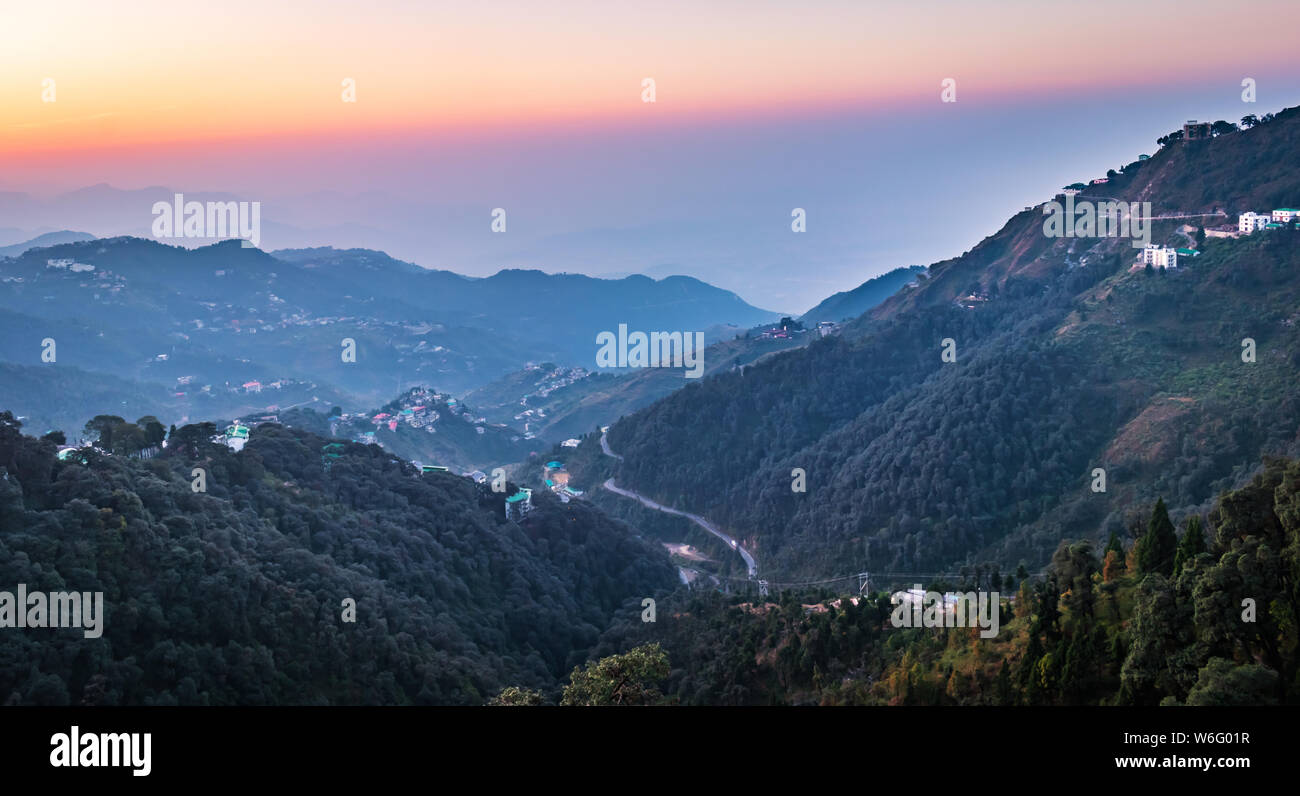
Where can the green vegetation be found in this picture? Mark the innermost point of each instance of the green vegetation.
(234, 595)
(1223, 631)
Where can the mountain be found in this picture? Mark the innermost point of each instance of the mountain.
(561, 313)
(214, 325)
(48, 239)
(426, 426)
(557, 403)
(1068, 358)
(238, 594)
(852, 303)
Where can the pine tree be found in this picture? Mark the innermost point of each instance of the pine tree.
(1113, 567)
(1159, 544)
(1191, 545)
(1003, 693)
(1114, 544)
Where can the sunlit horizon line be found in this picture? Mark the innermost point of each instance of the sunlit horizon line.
(661, 114)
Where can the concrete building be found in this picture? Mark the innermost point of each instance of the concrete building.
(519, 504)
(1159, 256)
(1248, 222)
(1194, 130)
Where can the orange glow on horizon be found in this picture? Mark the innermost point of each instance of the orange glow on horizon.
(157, 75)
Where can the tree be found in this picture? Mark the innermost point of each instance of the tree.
(1191, 545)
(190, 439)
(1200, 236)
(514, 696)
(1114, 544)
(1220, 127)
(99, 429)
(1113, 567)
(1222, 683)
(1249, 120)
(1157, 548)
(627, 679)
(154, 431)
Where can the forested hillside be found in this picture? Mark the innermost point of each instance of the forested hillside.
(1203, 615)
(1066, 360)
(235, 594)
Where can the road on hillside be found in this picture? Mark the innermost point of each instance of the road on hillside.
(604, 445)
(695, 518)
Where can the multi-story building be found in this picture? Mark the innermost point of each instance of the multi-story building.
(519, 504)
(1160, 256)
(1248, 222)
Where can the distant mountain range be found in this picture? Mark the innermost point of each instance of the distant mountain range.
(222, 329)
(41, 241)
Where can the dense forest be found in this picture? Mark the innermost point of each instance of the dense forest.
(234, 594)
(1205, 616)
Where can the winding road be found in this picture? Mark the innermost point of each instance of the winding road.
(695, 518)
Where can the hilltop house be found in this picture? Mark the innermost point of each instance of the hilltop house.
(236, 437)
(519, 504)
(1194, 130)
(1248, 222)
(1159, 256)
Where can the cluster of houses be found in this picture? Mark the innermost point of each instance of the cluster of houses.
(415, 409)
(560, 377)
(1249, 222)
(528, 416)
(788, 328)
(557, 480)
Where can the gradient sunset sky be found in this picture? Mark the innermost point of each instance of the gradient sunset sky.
(536, 107)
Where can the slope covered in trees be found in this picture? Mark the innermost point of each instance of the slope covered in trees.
(1210, 621)
(1066, 360)
(235, 594)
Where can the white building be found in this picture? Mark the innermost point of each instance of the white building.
(236, 437)
(1248, 222)
(1285, 215)
(571, 443)
(1159, 256)
(519, 504)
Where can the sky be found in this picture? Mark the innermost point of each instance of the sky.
(537, 108)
